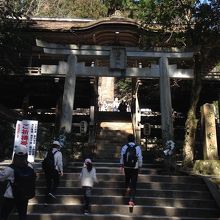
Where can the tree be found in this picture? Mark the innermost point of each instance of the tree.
(65, 8)
(187, 24)
(78, 8)
(123, 88)
(126, 7)
(10, 37)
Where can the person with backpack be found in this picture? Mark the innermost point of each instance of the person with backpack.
(131, 162)
(87, 179)
(122, 106)
(20, 177)
(53, 169)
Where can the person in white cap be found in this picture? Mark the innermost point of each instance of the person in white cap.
(11, 200)
(53, 177)
(87, 179)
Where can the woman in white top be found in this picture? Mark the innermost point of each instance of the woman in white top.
(87, 179)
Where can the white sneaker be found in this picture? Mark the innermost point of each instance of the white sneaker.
(51, 195)
(86, 212)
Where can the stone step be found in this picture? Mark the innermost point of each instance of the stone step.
(141, 178)
(109, 147)
(115, 126)
(112, 136)
(112, 142)
(113, 164)
(114, 116)
(119, 200)
(108, 154)
(139, 192)
(97, 163)
(109, 216)
(100, 170)
(124, 210)
(122, 130)
(140, 185)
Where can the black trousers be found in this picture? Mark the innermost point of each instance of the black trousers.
(52, 181)
(9, 204)
(87, 192)
(131, 176)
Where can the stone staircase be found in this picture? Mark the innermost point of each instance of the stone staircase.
(111, 137)
(158, 196)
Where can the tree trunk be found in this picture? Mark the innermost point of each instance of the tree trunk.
(192, 121)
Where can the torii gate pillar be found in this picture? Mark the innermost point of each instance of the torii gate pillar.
(68, 94)
(165, 101)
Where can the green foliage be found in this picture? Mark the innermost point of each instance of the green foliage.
(65, 8)
(160, 12)
(10, 19)
(194, 22)
(6, 138)
(128, 8)
(11, 35)
(76, 8)
(123, 88)
(207, 167)
(186, 24)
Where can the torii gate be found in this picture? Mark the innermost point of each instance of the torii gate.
(117, 56)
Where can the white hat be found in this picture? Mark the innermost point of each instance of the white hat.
(87, 161)
(170, 144)
(57, 143)
(20, 150)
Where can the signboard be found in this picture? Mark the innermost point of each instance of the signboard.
(147, 129)
(118, 58)
(83, 127)
(26, 135)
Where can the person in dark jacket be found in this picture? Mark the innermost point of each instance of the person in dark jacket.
(131, 173)
(122, 106)
(53, 178)
(9, 201)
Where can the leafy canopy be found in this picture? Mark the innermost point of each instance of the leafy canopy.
(195, 21)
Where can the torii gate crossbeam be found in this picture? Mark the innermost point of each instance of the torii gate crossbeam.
(118, 67)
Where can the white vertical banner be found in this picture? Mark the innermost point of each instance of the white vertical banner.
(26, 135)
(18, 133)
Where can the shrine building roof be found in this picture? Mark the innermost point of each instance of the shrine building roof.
(107, 31)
